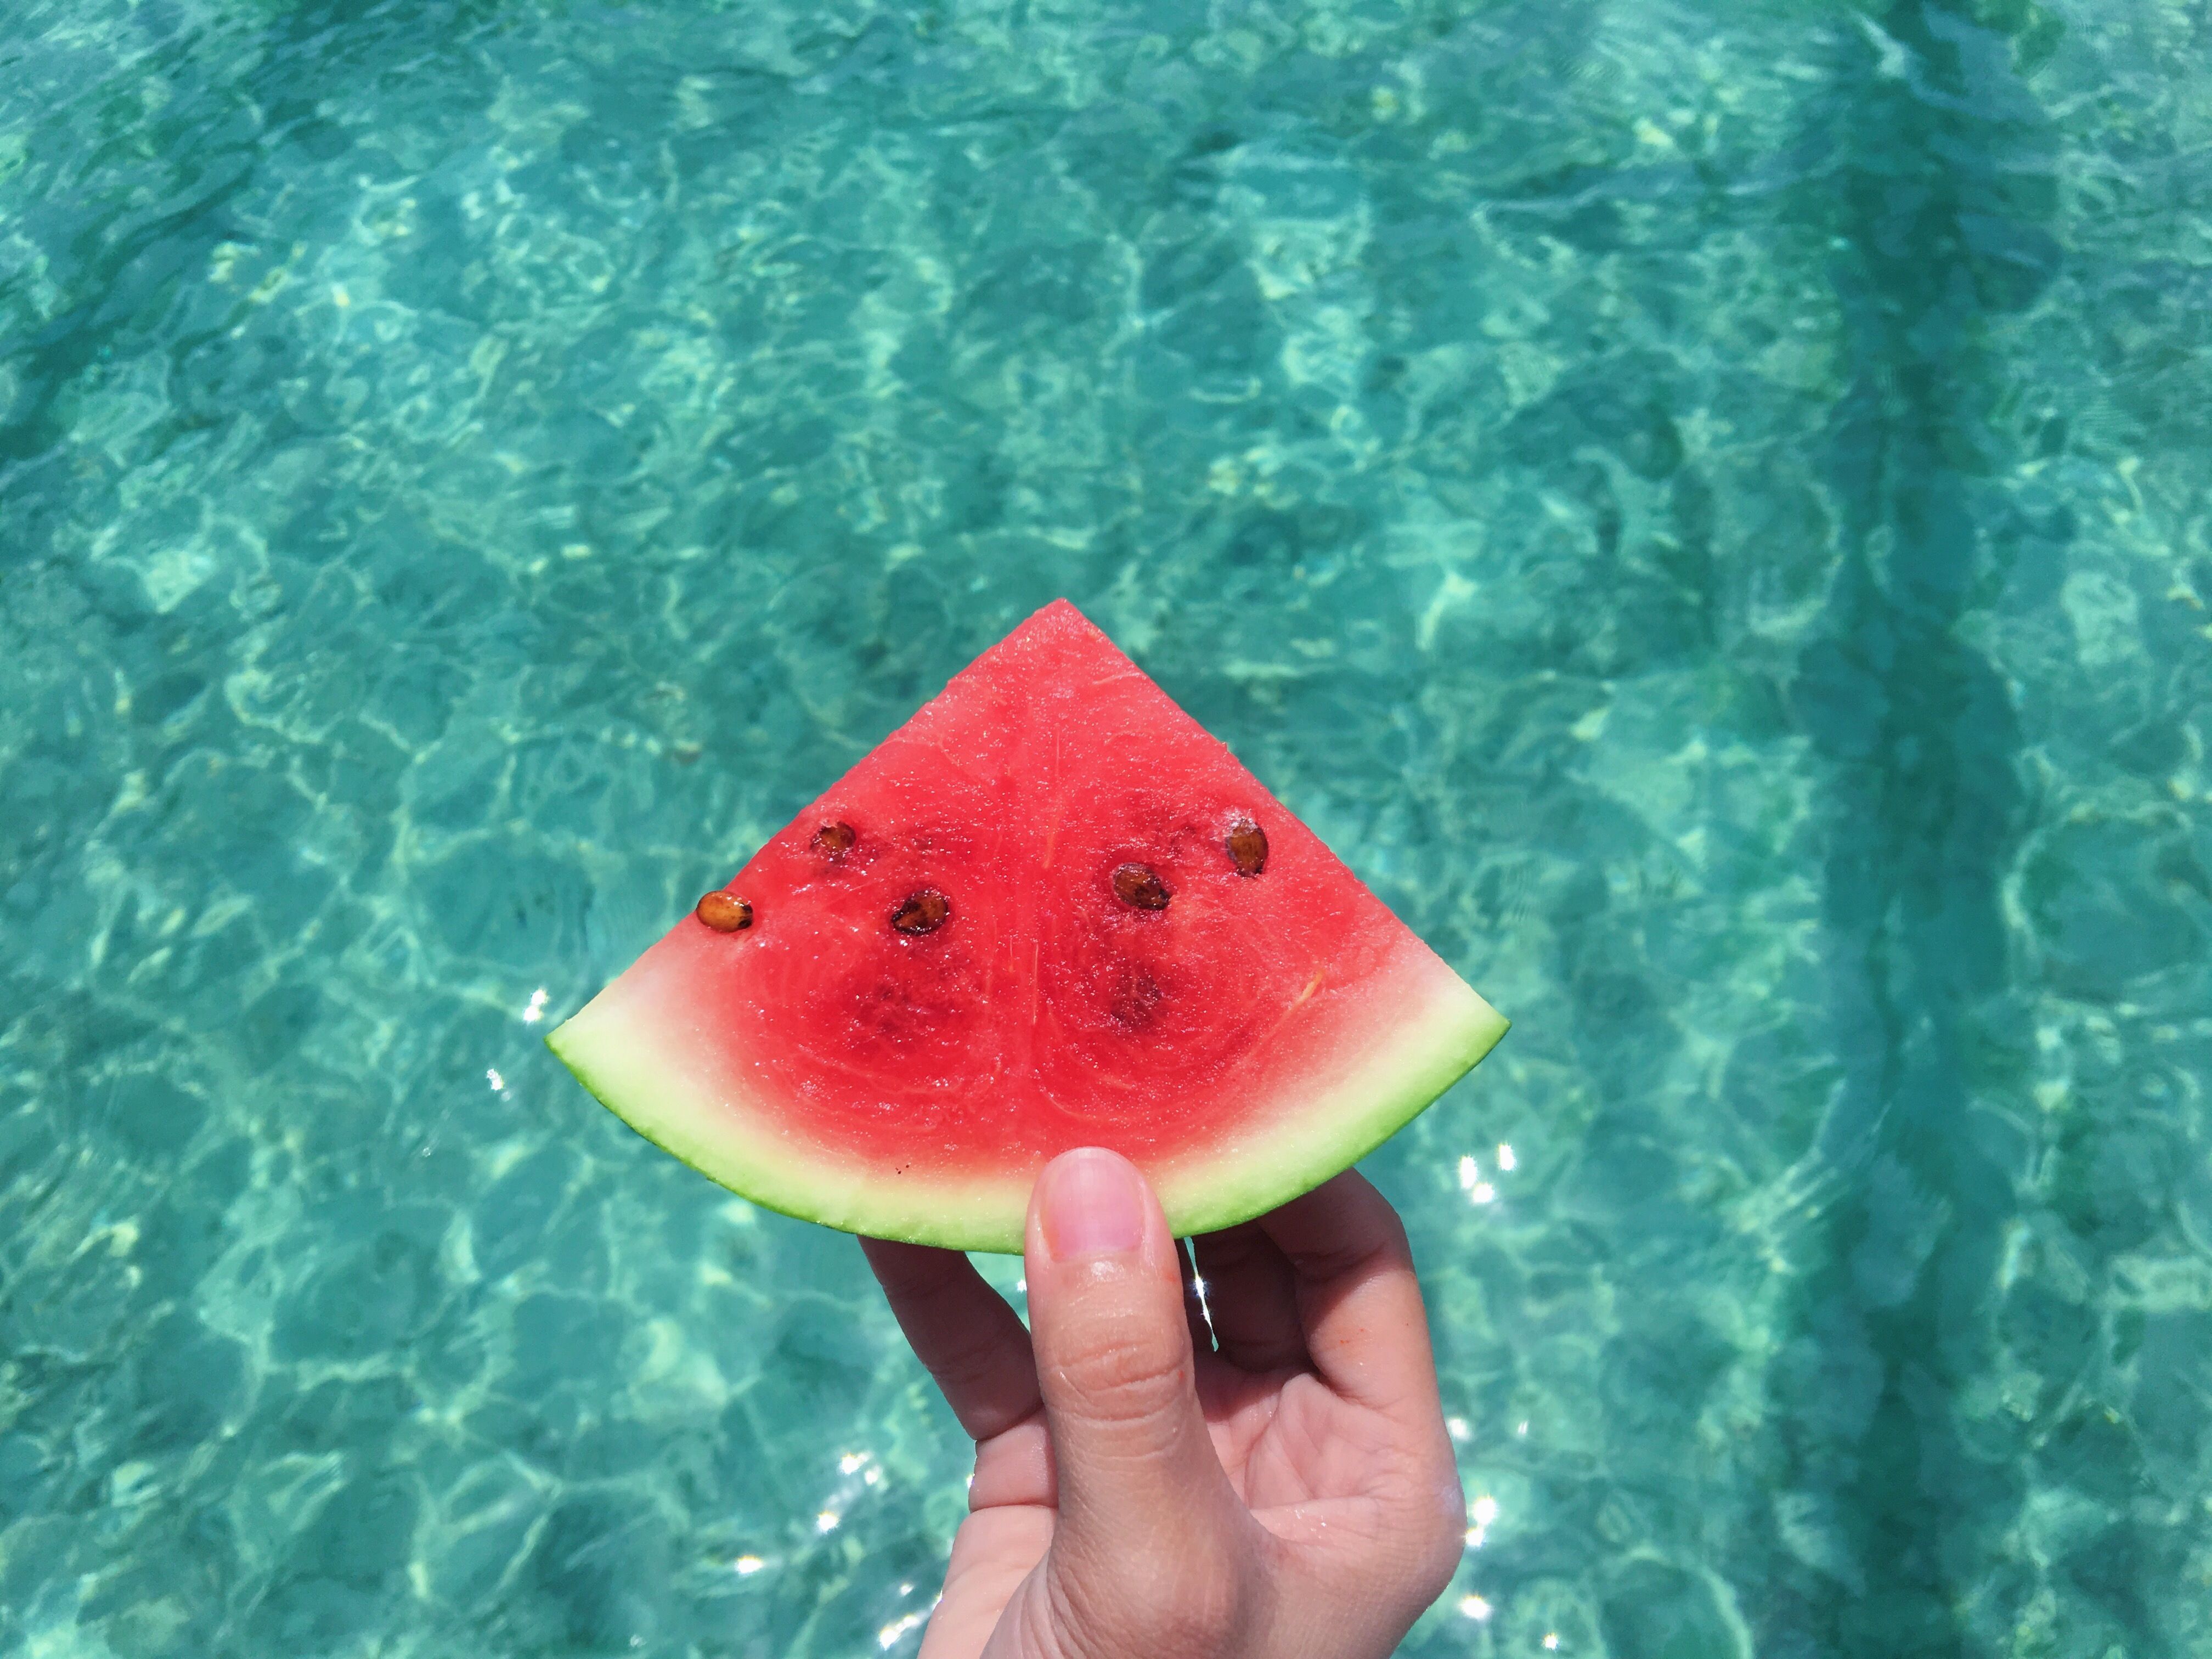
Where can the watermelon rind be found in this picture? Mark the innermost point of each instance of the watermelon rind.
(648, 1063)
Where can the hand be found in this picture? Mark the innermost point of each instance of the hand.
(1137, 1496)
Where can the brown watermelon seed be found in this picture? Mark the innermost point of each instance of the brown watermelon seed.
(726, 913)
(1248, 847)
(922, 912)
(1135, 885)
(834, 840)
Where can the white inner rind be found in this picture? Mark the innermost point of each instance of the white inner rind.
(652, 1068)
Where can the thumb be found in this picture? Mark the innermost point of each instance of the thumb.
(1136, 1469)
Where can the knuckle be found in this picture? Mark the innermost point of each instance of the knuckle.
(1435, 1559)
(968, 1360)
(1124, 1374)
(1451, 1503)
(1381, 1245)
(1325, 1262)
(1434, 1539)
(1225, 1252)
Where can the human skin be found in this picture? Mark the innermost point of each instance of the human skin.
(1139, 1494)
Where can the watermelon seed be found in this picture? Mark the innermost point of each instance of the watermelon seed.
(726, 913)
(924, 912)
(1248, 847)
(1135, 885)
(834, 840)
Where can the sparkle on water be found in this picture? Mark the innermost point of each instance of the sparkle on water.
(1703, 505)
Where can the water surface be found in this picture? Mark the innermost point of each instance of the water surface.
(1703, 505)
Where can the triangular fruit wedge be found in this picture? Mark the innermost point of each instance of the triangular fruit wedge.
(1049, 911)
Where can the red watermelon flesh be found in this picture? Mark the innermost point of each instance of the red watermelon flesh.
(1103, 973)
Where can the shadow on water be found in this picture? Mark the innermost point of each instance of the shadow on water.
(1939, 171)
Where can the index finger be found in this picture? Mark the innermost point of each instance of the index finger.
(1366, 1330)
(963, 1332)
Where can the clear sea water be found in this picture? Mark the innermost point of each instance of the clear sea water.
(1704, 505)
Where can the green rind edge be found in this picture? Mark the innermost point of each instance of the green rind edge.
(1228, 1205)
(1290, 1157)
(758, 1190)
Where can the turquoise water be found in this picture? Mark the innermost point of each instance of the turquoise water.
(1704, 507)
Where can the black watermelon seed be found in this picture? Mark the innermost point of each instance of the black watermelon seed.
(924, 912)
(1248, 847)
(1135, 885)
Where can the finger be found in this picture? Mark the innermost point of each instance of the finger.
(962, 1331)
(1253, 1296)
(1136, 1466)
(1015, 1468)
(992, 1553)
(1358, 1302)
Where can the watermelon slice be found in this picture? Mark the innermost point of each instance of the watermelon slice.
(1049, 911)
